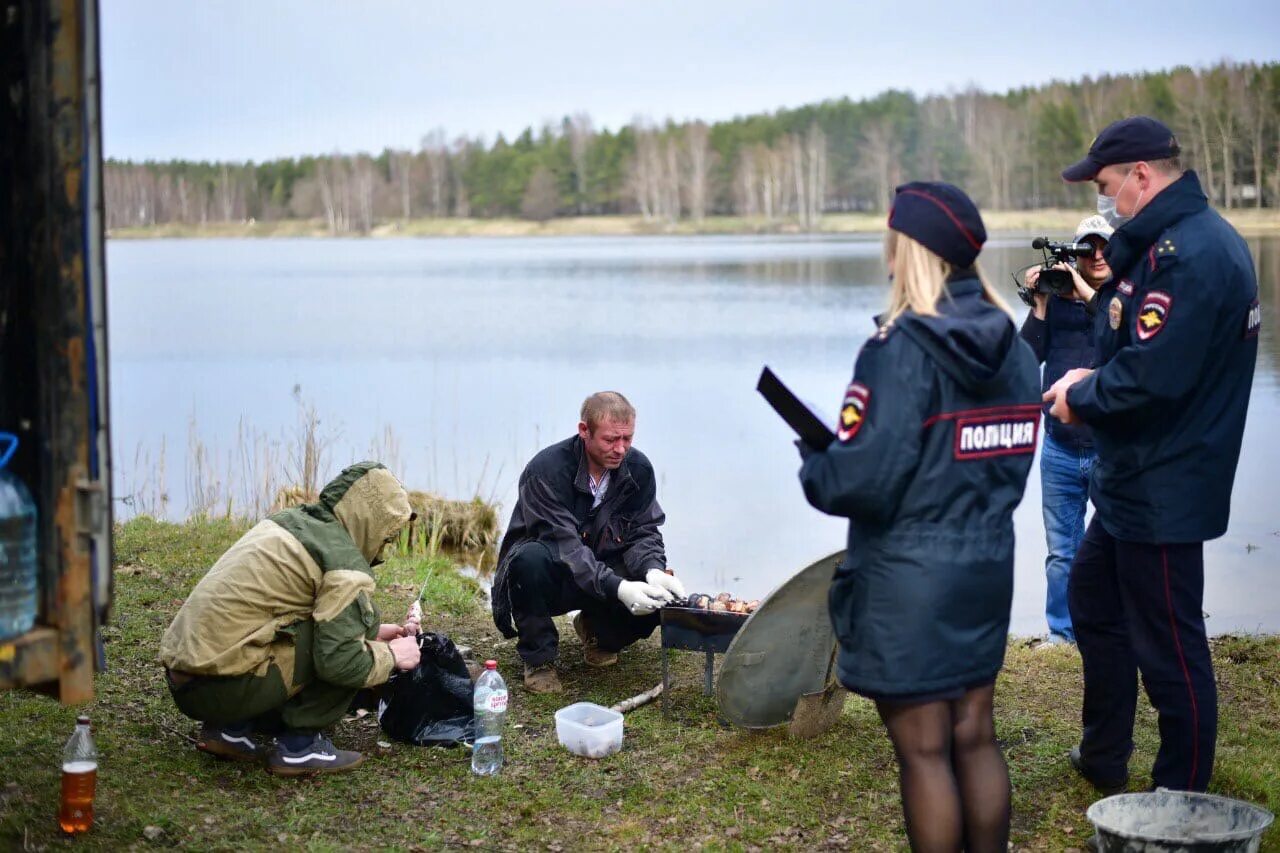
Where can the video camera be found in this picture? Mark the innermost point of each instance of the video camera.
(1051, 281)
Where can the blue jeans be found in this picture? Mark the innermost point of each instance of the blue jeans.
(1064, 485)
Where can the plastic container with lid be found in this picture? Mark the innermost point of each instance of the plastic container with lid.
(589, 730)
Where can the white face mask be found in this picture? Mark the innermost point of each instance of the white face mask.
(1107, 206)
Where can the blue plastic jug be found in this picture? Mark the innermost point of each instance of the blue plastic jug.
(17, 548)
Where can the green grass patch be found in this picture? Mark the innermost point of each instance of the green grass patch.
(683, 781)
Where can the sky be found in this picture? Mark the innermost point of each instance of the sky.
(257, 79)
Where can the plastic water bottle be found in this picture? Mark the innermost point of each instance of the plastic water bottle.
(79, 779)
(17, 548)
(489, 700)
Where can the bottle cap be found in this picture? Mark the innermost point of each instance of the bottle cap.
(491, 664)
(82, 720)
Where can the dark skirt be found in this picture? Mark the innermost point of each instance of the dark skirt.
(949, 695)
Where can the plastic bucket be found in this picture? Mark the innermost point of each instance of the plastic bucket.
(1179, 821)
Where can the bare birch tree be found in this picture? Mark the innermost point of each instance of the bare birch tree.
(362, 183)
(816, 176)
(745, 182)
(879, 158)
(436, 154)
(400, 164)
(580, 135)
(697, 158)
(1195, 105)
(1252, 103)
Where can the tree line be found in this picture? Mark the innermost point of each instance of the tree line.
(791, 165)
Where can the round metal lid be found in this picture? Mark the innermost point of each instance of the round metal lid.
(782, 651)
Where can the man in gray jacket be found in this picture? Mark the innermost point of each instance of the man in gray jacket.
(584, 536)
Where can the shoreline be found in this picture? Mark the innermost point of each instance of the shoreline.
(1249, 222)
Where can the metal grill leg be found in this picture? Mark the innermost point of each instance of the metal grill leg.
(710, 671)
(666, 678)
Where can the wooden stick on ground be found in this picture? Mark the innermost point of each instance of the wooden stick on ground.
(636, 701)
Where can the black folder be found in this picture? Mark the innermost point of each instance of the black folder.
(798, 416)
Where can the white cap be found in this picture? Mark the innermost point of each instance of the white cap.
(1092, 226)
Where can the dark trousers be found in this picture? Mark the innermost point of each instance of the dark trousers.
(542, 588)
(1136, 608)
(286, 693)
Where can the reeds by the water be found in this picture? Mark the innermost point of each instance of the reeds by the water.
(261, 476)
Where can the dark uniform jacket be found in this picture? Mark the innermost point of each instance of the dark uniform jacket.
(1177, 333)
(617, 541)
(934, 442)
(1061, 341)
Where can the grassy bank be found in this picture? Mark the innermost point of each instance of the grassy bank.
(680, 782)
(1047, 221)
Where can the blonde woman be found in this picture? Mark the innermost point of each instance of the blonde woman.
(935, 438)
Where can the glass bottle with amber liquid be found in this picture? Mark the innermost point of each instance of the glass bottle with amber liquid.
(79, 779)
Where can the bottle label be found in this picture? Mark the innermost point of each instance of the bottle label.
(497, 701)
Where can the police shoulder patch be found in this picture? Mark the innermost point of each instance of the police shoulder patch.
(853, 411)
(1115, 313)
(1153, 316)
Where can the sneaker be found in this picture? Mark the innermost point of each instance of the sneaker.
(319, 756)
(228, 745)
(542, 679)
(1052, 641)
(1106, 786)
(591, 652)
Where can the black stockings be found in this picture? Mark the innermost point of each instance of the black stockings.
(955, 784)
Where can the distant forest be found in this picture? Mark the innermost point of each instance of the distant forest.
(792, 165)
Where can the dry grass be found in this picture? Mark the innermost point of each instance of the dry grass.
(470, 526)
(464, 525)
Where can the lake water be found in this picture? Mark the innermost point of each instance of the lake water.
(477, 352)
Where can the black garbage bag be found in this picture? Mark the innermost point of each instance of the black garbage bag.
(430, 705)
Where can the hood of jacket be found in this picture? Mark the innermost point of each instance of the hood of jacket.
(370, 503)
(970, 339)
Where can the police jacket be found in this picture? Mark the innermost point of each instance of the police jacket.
(618, 540)
(1061, 341)
(935, 438)
(1177, 332)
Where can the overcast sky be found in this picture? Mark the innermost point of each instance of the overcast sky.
(256, 79)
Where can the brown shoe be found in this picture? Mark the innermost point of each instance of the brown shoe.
(542, 679)
(591, 652)
(221, 744)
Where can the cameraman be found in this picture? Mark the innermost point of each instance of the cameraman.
(1060, 331)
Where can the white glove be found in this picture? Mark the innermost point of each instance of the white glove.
(671, 583)
(641, 598)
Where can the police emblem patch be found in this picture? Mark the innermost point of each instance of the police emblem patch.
(1003, 431)
(1153, 314)
(1253, 320)
(1115, 312)
(853, 411)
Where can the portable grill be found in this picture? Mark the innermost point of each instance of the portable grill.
(693, 629)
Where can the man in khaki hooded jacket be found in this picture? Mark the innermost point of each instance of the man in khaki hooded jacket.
(282, 631)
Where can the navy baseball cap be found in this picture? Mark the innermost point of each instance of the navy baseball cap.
(1125, 141)
(941, 218)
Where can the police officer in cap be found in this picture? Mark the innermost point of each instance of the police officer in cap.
(934, 443)
(1177, 335)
